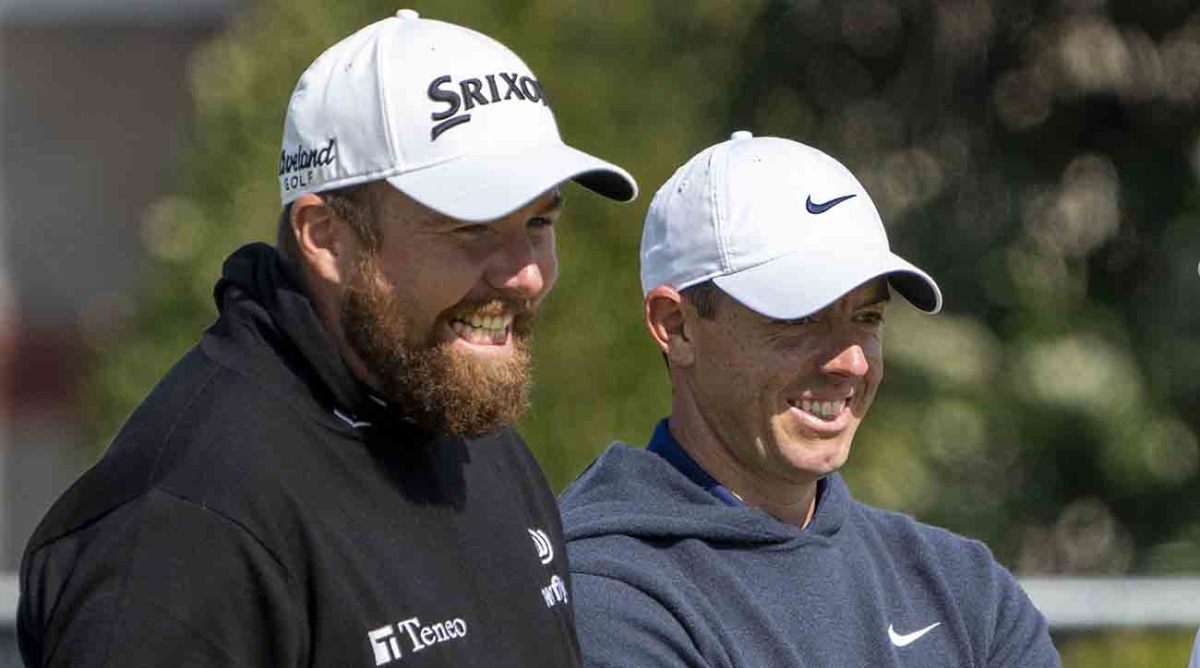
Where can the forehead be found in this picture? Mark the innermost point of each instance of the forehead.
(873, 291)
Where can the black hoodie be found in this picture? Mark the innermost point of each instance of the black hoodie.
(260, 508)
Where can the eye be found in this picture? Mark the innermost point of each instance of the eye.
(540, 223)
(870, 317)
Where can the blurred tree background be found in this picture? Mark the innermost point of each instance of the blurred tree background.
(1040, 159)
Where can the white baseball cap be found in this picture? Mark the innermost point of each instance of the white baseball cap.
(781, 227)
(450, 117)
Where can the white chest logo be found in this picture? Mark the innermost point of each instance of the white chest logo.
(909, 638)
(390, 642)
(541, 542)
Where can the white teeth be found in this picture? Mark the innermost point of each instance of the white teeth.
(826, 410)
(481, 329)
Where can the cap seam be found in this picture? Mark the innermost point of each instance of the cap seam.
(718, 214)
(384, 101)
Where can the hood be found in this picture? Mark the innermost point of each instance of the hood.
(631, 492)
(259, 296)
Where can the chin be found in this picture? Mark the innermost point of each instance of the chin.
(819, 457)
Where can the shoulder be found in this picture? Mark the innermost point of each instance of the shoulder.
(905, 537)
(205, 434)
(129, 583)
(620, 473)
(964, 569)
(965, 575)
(517, 470)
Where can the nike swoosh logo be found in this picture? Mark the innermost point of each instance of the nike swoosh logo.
(909, 638)
(815, 208)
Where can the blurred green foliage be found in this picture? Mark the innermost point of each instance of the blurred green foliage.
(1038, 158)
(1120, 649)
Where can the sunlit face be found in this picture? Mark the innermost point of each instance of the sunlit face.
(441, 314)
(784, 398)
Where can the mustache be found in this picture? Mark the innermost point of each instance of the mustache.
(495, 307)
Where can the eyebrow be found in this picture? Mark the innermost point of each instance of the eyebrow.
(441, 220)
(556, 204)
(880, 299)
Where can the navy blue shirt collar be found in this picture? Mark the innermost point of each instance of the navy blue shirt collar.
(663, 444)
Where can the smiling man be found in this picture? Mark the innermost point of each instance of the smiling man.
(730, 540)
(330, 477)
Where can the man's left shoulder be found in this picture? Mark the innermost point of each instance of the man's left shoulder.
(922, 546)
(963, 574)
(509, 454)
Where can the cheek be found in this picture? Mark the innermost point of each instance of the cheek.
(873, 350)
(430, 285)
(546, 257)
(549, 268)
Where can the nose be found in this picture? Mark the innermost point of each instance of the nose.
(513, 268)
(850, 362)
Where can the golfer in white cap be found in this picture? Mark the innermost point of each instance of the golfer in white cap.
(731, 540)
(330, 477)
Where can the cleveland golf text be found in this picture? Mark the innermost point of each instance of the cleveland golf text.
(304, 160)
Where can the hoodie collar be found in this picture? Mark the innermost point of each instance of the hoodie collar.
(663, 444)
(259, 289)
(633, 492)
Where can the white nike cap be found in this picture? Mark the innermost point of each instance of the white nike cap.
(450, 117)
(781, 227)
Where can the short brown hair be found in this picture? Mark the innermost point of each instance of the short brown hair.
(353, 204)
(704, 297)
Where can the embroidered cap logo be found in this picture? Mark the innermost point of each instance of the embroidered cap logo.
(470, 93)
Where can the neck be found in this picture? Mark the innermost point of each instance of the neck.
(789, 500)
(326, 301)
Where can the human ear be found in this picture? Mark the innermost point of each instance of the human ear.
(667, 319)
(321, 241)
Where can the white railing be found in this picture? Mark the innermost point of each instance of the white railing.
(8, 601)
(1078, 603)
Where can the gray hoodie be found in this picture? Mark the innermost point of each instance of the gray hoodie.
(667, 574)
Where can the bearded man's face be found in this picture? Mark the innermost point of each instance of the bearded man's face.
(441, 313)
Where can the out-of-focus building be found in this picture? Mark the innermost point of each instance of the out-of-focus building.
(94, 105)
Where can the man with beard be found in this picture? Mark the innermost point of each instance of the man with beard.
(330, 478)
(731, 540)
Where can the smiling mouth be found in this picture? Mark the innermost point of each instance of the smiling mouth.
(490, 330)
(823, 410)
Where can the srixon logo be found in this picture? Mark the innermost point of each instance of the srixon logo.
(467, 94)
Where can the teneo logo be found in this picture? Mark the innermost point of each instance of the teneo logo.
(541, 543)
(470, 93)
(388, 641)
(296, 168)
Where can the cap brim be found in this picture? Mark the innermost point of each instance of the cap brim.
(802, 283)
(481, 187)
